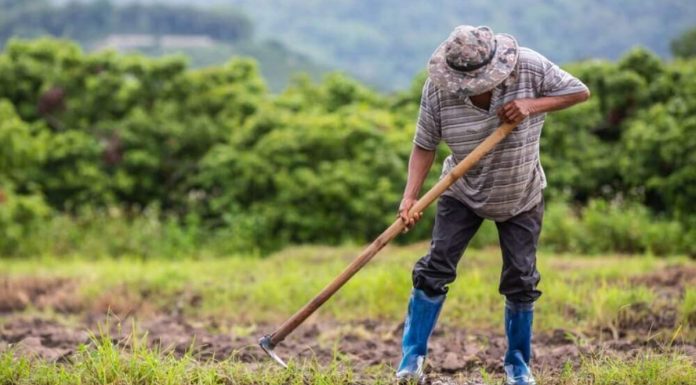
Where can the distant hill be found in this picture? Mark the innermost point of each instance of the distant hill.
(206, 36)
(387, 41)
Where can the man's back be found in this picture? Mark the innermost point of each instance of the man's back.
(510, 179)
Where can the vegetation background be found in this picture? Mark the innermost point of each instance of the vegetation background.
(150, 157)
(387, 42)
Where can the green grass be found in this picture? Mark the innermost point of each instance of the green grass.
(102, 362)
(647, 369)
(579, 292)
(688, 307)
(581, 295)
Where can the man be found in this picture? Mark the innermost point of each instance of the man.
(478, 79)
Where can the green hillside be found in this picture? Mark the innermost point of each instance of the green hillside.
(386, 42)
(205, 36)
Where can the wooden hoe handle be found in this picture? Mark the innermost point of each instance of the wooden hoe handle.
(390, 233)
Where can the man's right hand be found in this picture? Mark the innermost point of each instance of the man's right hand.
(404, 208)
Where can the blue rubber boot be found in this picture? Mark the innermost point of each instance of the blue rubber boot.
(423, 311)
(518, 328)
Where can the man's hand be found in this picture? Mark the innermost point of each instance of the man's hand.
(516, 110)
(404, 207)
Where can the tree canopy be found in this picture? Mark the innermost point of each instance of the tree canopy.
(321, 162)
(684, 45)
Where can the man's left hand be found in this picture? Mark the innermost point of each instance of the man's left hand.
(516, 110)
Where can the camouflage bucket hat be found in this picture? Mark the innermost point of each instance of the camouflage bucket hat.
(473, 60)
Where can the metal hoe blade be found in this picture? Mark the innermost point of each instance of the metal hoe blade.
(267, 346)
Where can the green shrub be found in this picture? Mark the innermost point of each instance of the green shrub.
(113, 232)
(208, 159)
(561, 230)
(20, 217)
(616, 226)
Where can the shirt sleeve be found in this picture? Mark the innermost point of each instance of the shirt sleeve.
(428, 132)
(555, 81)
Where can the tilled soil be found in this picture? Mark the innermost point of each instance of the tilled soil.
(453, 351)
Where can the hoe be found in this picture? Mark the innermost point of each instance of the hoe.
(269, 342)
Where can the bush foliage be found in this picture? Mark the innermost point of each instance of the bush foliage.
(213, 152)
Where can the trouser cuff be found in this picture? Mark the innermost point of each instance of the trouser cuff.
(519, 306)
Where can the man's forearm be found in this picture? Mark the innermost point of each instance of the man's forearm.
(418, 166)
(517, 110)
(555, 103)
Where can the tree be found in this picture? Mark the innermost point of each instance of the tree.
(684, 46)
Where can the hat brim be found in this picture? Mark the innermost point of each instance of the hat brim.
(478, 81)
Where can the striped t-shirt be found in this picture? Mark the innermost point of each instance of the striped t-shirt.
(509, 179)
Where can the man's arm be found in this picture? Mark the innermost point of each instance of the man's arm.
(418, 166)
(517, 110)
(555, 89)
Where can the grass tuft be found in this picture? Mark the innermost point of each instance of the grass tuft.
(648, 369)
(688, 308)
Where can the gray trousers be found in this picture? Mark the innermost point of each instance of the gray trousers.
(456, 224)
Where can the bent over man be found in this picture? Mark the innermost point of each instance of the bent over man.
(477, 80)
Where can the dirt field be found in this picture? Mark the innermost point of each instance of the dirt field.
(60, 323)
(453, 351)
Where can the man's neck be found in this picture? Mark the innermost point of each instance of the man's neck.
(482, 101)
